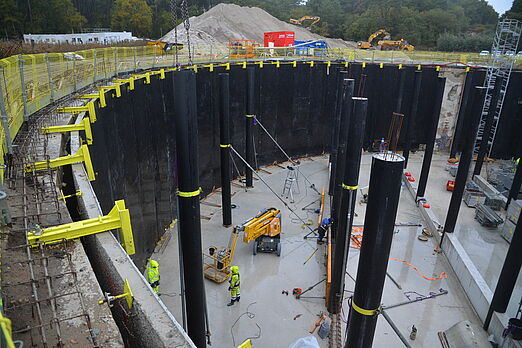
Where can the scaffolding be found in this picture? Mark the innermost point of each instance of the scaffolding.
(503, 56)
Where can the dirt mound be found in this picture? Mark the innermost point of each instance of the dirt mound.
(229, 21)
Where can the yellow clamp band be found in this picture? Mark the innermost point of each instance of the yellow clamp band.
(346, 187)
(189, 194)
(363, 311)
(250, 115)
(221, 145)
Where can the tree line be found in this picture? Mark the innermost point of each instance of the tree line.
(422, 22)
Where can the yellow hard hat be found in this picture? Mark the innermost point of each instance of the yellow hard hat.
(234, 269)
(153, 263)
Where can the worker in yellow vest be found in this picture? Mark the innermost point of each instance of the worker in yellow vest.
(153, 275)
(234, 285)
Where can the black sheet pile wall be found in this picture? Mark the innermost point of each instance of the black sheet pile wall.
(133, 150)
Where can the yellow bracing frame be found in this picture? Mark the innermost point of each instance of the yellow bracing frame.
(100, 95)
(89, 107)
(82, 155)
(115, 87)
(130, 81)
(127, 294)
(118, 218)
(85, 125)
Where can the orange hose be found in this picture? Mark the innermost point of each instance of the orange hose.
(441, 276)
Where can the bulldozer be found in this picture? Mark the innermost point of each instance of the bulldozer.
(264, 230)
(401, 45)
(368, 44)
(300, 21)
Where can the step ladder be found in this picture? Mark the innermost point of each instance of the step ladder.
(291, 179)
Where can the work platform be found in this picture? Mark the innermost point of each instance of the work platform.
(273, 319)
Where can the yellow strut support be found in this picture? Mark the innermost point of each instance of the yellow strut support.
(85, 125)
(130, 81)
(160, 72)
(89, 107)
(82, 155)
(63, 197)
(127, 294)
(99, 95)
(146, 76)
(118, 218)
(115, 87)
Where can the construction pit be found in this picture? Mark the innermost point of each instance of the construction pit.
(135, 157)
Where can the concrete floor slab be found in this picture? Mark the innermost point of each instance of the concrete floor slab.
(279, 319)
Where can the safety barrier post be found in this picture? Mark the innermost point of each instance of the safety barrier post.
(249, 155)
(336, 126)
(186, 132)
(75, 86)
(472, 121)
(94, 66)
(379, 222)
(224, 144)
(355, 136)
(50, 77)
(347, 94)
(432, 133)
(412, 116)
(22, 83)
(135, 63)
(5, 121)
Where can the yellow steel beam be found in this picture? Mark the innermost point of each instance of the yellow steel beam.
(82, 155)
(130, 81)
(89, 108)
(100, 95)
(160, 72)
(63, 197)
(85, 125)
(146, 76)
(115, 87)
(118, 218)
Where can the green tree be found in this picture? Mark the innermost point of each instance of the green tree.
(132, 15)
(10, 18)
(516, 11)
(51, 16)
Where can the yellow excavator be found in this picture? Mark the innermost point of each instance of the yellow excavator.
(264, 230)
(368, 44)
(314, 19)
(401, 44)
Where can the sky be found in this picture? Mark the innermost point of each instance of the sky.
(500, 6)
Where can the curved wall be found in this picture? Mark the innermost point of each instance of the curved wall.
(134, 149)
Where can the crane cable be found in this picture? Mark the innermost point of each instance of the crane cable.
(186, 23)
(270, 188)
(283, 151)
(174, 11)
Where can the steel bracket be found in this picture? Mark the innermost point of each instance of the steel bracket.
(118, 218)
(89, 108)
(82, 155)
(85, 126)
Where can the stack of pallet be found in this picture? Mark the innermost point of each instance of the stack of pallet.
(513, 214)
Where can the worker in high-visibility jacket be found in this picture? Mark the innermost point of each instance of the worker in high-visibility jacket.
(234, 283)
(153, 275)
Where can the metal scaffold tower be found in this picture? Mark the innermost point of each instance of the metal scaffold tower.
(503, 56)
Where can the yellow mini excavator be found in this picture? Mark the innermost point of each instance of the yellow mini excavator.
(368, 44)
(300, 21)
(264, 230)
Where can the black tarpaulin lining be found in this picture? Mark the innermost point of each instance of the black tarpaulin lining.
(134, 147)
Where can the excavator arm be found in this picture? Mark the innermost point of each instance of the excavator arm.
(314, 19)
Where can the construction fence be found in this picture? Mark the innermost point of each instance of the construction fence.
(30, 82)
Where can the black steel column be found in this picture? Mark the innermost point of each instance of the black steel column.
(379, 222)
(348, 86)
(249, 154)
(224, 144)
(432, 134)
(467, 94)
(487, 129)
(472, 119)
(516, 184)
(508, 276)
(412, 116)
(186, 130)
(336, 125)
(347, 205)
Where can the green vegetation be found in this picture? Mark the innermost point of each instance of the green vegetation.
(424, 23)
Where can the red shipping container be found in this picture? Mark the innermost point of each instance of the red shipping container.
(279, 39)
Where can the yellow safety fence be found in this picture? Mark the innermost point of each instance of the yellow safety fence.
(30, 82)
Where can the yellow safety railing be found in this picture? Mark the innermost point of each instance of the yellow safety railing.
(30, 82)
